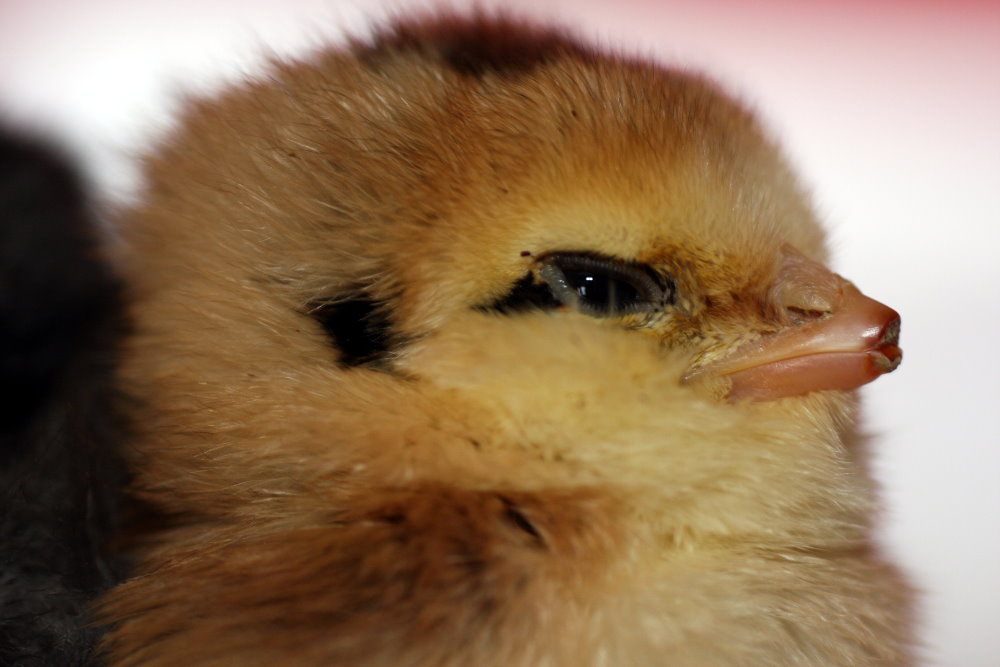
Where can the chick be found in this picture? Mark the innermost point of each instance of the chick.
(471, 345)
(60, 318)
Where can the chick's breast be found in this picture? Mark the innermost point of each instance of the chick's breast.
(473, 345)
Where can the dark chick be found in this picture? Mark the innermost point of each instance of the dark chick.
(60, 322)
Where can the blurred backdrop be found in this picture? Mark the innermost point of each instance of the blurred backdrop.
(890, 110)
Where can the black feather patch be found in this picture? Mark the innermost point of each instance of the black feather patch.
(360, 329)
(479, 45)
(525, 295)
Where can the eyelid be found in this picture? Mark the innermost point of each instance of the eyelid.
(553, 275)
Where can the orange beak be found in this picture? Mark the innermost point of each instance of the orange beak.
(838, 339)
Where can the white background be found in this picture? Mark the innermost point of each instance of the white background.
(890, 110)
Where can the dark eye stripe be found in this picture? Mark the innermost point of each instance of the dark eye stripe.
(358, 328)
(526, 294)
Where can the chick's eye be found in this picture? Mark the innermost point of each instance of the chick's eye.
(603, 286)
(602, 291)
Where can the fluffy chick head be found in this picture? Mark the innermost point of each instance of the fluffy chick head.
(474, 255)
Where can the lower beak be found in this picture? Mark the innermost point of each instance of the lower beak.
(854, 340)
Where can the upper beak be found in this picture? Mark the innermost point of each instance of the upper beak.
(842, 339)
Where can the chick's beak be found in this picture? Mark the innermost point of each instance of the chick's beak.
(836, 338)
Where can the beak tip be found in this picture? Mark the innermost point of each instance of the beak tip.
(887, 358)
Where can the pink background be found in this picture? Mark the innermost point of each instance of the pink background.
(890, 109)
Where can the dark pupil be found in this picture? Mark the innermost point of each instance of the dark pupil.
(601, 292)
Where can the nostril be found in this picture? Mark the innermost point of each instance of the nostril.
(802, 315)
(808, 298)
(803, 290)
(806, 301)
